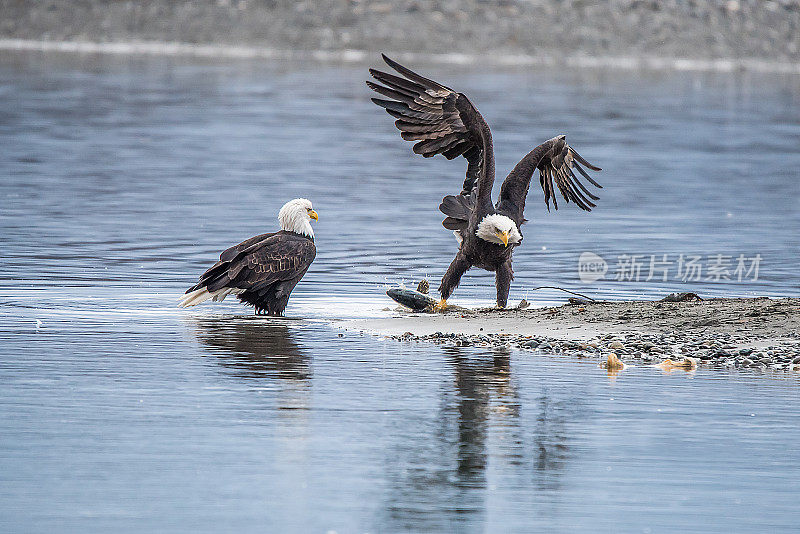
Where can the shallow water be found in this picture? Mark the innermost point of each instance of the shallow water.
(122, 179)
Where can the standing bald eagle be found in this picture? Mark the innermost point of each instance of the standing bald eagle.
(445, 122)
(263, 270)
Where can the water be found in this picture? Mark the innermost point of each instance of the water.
(122, 179)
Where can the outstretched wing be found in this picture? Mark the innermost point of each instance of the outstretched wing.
(441, 120)
(556, 161)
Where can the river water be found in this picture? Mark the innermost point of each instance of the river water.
(124, 177)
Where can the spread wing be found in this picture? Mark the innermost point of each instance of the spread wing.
(441, 120)
(556, 161)
(257, 263)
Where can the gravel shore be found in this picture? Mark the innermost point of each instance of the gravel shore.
(768, 30)
(758, 333)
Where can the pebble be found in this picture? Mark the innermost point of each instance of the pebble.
(635, 347)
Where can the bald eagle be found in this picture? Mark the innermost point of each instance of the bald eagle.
(445, 122)
(263, 270)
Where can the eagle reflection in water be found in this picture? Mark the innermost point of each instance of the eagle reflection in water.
(483, 420)
(254, 348)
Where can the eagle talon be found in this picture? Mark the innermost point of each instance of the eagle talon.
(440, 306)
(443, 121)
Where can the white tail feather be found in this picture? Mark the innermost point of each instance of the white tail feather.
(220, 295)
(201, 295)
(195, 297)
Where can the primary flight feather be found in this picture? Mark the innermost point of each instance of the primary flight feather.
(443, 121)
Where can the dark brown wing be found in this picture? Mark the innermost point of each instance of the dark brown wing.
(441, 120)
(235, 250)
(226, 257)
(281, 260)
(556, 161)
(458, 209)
(260, 261)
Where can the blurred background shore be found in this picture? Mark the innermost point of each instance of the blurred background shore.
(741, 32)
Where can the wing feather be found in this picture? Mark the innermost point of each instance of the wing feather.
(259, 262)
(559, 163)
(413, 76)
(402, 96)
(282, 260)
(439, 119)
(456, 150)
(583, 187)
(556, 161)
(397, 81)
(406, 127)
(402, 111)
(411, 135)
(435, 145)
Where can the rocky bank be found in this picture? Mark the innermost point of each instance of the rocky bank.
(767, 30)
(759, 333)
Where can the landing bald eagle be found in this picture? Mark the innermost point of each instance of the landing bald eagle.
(445, 122)
(263, 270)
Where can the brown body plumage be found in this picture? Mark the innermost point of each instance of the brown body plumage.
(445, 122)
(263, 270)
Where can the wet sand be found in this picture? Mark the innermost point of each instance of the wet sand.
(741, 332)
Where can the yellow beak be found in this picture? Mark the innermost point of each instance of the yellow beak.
(313, 215)
(503, 237)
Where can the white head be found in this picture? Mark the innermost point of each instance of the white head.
(498, 229)
(295, 216)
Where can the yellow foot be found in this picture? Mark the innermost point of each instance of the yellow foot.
(440, 306)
